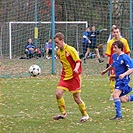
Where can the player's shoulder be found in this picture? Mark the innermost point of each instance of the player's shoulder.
(114, 55)
(70, 47)
(124, 55)
(123, 39)
(111, 41)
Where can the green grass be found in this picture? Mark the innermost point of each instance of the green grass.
(28, 105)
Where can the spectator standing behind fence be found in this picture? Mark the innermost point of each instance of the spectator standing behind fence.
(30, 49)
(85, 40)
(93, 45)
(48, 48)
(109, 52)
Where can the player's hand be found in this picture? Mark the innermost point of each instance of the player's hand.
(121, 76)
(103, 72)
(107, 65)
(89, 41)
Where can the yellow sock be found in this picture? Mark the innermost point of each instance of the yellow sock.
(82, 109)
(112, 85)
(61, 105)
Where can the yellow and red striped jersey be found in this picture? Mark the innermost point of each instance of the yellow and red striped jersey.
(69, 57)
(109, 50)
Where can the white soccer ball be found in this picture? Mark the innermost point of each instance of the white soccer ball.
(34, 70)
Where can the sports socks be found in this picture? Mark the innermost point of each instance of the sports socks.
(61, 105)
(117, 103)
(82, 109)
(130, 97)
(112, 85)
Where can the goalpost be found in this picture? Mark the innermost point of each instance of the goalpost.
(19, 32)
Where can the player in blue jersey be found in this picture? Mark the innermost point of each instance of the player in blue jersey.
(93, 42)
(86, 41)
(123, 66)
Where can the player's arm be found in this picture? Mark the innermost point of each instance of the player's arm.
(129, 63)
(108, 59)
(127, 49)
(109, 38)
(108, 53)
(128, 72)
(102, 30)
(106, 70)
(84, 36)
(78, 63)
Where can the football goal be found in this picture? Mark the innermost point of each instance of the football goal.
(19, 32)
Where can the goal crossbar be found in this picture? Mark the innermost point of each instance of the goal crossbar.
(33, 22)
(48, 22)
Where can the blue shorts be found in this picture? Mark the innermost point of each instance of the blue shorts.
(93, 46)
(123, 86)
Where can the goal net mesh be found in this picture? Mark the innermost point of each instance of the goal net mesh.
(95, 12)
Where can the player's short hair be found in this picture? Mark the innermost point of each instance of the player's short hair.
(119, 44)
(114, 28)
(59, 35)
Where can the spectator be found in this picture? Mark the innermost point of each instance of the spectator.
(30, 49)
(48, 48)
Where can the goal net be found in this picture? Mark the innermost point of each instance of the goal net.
(16, 34)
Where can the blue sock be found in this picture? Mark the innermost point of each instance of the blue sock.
(117, 103)
(130, 98)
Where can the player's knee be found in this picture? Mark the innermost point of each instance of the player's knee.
(115, 95)
(59, 93)
(124, 99)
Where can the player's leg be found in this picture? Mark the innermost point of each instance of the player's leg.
(117, 104)
(74, 88)
(61, 104)
(82, 107)
(86, 54)
(84, 48)
(111, 82)
(111, 85)
(124, 97)
(98, 55)
(47, 53)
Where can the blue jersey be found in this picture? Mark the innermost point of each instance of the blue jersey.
(84, 40)
(30, 45)
(121, 63)
(93, 36)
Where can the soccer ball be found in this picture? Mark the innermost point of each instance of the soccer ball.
(34, 70)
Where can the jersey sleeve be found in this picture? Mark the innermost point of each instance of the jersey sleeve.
(127, 49)
(74, 55)
(108, 49)
(128, 61)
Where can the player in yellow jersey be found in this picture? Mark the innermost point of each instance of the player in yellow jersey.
(109, 52)
(70, 77)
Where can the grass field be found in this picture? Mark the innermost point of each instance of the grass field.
(28, 104)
